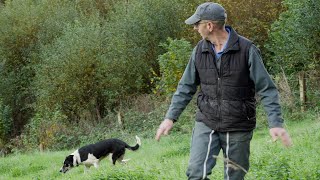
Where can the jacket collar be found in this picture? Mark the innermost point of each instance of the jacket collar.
(233, 43)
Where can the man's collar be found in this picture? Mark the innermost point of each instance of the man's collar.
(233, 42)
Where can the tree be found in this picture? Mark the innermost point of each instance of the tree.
(294, 38)
(135, 33)
(295, 41)
(252, 19)
(26, 27)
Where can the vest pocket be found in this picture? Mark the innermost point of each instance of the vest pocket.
(207, 105)
(250, 109)
(234, 110)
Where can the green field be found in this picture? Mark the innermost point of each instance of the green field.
(168, 159)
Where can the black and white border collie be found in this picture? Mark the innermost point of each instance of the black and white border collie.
(92, 154)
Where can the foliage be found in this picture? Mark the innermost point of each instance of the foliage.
(294, 43)
(78, 56)
(140, 117)
(71, 75)
(100, 64)
(294, 38)
(44, 130)
(172, 64)
(252, 19)
(19, 25)
(25, 27)
(186, 9)
(135, 32)
(5, 123)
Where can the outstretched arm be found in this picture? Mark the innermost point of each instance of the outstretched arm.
(187, 87)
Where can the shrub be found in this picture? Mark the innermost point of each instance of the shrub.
(26, 26)
(5, 123)
(71, 75)
(135, 31)
(19, 24)
(172, 64)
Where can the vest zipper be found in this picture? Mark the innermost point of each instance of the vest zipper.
(219, 95)
(219, 101)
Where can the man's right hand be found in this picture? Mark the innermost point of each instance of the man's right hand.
(164, 128)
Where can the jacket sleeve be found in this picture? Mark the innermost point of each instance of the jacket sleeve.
(265, 88)
(187, 87)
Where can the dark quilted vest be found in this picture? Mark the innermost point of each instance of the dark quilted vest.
(226, 101)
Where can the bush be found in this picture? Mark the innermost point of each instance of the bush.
(6, 123)
(41, 131)
(19, 24)
(26, 27)
(172, 65)
(135, 32)
(71, 74)
(299, 19)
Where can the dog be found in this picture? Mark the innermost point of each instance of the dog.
(92, 154)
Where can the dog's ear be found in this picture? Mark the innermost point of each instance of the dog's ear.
(70, 158)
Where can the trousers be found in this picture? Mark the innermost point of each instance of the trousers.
(205, 147)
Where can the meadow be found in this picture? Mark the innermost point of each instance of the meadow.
(168, 159)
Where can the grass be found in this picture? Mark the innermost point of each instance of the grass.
(168, 159)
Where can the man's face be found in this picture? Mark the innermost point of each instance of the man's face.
(201, 27)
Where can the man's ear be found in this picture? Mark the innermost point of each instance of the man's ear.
(211, 26)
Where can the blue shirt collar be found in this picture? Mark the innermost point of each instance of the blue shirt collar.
(218, 54)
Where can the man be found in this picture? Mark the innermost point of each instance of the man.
(229, 70)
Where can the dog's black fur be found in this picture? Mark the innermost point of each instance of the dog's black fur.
(92, 154)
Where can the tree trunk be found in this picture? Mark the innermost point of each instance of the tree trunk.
(41, 147)
(120, 122)
(98, 112)
(303, 88)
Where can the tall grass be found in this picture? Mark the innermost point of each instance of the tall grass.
(168, 159)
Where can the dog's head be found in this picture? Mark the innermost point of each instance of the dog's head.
(67, 164)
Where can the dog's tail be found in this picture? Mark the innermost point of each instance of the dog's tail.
(133, 148)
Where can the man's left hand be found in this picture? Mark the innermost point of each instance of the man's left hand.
(281, 133)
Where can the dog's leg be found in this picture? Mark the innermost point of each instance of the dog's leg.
(114, 159)
(96, 164)
(117, 155)
(86, 168)
(124, 161)
(120, 159)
